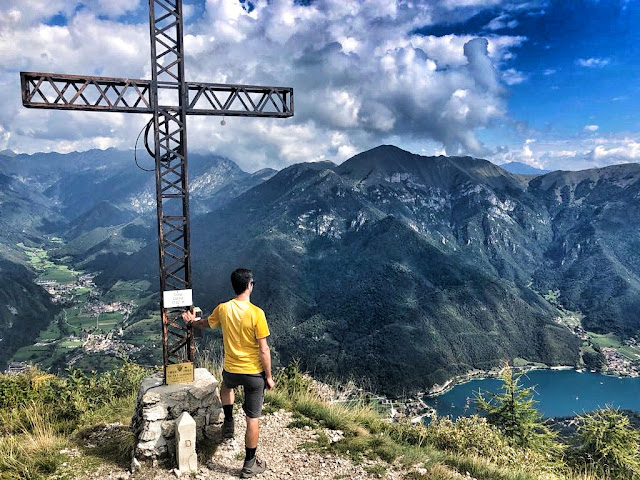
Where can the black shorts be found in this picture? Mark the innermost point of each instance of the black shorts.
(253, 385)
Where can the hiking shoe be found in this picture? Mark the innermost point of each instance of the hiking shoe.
(253, 467)
(228, 428)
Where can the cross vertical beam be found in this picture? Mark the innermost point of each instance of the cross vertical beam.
(169, 99)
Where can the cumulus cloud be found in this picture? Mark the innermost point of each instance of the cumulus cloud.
(626, 151)
(113, 8)
(523, 153)
(591, 128)
(570, 154)
(469, 3)
(593, 62)
(360, 73)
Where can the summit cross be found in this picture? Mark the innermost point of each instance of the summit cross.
(169, 98)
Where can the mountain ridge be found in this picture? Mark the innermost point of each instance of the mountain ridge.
(455, 249)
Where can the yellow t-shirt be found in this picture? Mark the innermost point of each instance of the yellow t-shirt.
(242, 325)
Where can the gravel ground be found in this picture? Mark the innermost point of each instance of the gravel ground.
(279, 446)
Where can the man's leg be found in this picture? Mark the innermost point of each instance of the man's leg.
(253, 431)
(253, 397)
(227, 397)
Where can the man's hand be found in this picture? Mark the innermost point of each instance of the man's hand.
(270, 383)
(189, 316)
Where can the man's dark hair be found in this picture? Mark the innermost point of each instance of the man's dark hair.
(240, 279)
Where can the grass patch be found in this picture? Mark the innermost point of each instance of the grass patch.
(300, 421)
(127, 290)
(113, 442)
(335, 417)
(277, 399)
(116, 410)
(632, 353)
(610, 340)
(42, 414)
(377, 469)
(58, 273)
(483, 469)
(33, 452)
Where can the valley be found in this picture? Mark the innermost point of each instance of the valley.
(94, 329)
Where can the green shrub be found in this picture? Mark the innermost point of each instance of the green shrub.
(608, 444)
(468, 435)
(38, 412)
(292, 380)
(474, 437)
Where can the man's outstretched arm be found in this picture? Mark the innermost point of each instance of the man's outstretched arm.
(265, 359)
(190, 319)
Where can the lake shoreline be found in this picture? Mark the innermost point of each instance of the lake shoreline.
(559, 392)
(437, 390)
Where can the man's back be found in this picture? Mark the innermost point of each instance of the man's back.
(242, 325)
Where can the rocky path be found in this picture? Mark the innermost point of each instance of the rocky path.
(281, 446)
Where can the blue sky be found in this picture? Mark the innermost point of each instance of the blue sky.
(551, 84)
(581, 60)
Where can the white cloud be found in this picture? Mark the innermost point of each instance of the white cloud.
(501, 22)
(549, 71)
(571, 154)
(528, 156)
(511, 76)
(114, 8)
(451, 4)
(627, 151)
(561, 153)
(593, 62)
(448, 50)
(28, 13)
(591, 128)
(356, 68)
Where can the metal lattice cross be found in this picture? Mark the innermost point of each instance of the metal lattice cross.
(170, 99)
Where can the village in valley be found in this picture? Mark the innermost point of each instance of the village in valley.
(619, 364)
(620, 357)
(91, 323)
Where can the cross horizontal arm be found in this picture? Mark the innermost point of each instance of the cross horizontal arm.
(76, 92)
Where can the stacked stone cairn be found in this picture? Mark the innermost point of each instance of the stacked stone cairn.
(158, 406)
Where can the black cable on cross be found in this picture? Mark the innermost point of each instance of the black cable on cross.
(170, 99)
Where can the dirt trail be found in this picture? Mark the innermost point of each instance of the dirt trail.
(279, 445)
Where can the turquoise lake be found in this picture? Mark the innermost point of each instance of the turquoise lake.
(560, 393)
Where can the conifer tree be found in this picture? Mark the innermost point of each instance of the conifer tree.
(514, 412)
(609, 443)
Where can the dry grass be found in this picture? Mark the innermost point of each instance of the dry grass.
(34, 453)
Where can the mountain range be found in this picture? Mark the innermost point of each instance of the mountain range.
(395, 269)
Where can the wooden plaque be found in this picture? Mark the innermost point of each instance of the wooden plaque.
(179, 373)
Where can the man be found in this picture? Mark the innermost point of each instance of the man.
(247, 361)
